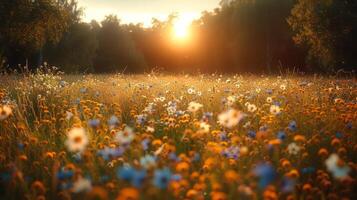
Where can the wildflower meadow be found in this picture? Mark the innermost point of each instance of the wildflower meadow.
(154, 136)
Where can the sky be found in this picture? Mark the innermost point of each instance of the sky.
(142, 11)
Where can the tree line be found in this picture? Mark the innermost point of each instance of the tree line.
(237, 36)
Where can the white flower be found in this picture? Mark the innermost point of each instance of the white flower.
(269, 99)
(274, 109)
(162, 99)
(150, 129)
(230, 118)
(82, 185)
(126, 136)
(293, 148)
(194, 106)
(336, 170)
(77, 140)
(231, 100)
(69, 115)
(191, 91)
(5, 112)
(252, 108)
(204, 127)
(171, 110)
(283, 87)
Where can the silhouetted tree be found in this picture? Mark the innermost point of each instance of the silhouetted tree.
(27, 25)
(77, 49)
(328, 28)
(116, 50)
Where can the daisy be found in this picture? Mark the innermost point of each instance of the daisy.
(283, 87)
(204, 127)
(5, 112)
(274, 109)
(125, 137)
(194, 106)
(77, 140)
(191, 91)
(293, 148)
(231, 100)
(269, 100)
(252, 108)
(230, 118)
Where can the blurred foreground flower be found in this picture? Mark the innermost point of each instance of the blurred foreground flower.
(5, 112)
(82, 185)
(337, 167)
(77, 140)
(230, 118)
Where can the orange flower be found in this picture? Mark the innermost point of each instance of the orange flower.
(38, 188)
(182, 167)
(231, 176)
(307, 187)
(335, 142)
(128, 194)
(218, 196)
(299, 138)
(323, 152)
(97, 193)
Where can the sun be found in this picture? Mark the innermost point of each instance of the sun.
(181, 28)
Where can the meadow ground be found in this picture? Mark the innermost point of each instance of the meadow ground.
(177, 137)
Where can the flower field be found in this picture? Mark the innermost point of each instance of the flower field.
(131, 137)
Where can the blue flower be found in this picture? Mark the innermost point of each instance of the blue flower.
(162, 178)
(231, 152)
(251, 134)
(145, 144)
(21, 146)
(292, 126)
(339, 135)
(126, 173)
(141, 119)
(64, 174)
(94, 123)
(223, 136)
(288, 185)
(108, 153)
(113, 121)
(138, 178)
(281, 135)
(266, 174)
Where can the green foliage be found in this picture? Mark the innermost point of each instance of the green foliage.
(327, 28)
(76, 50)
(32, 23)
(116, 50)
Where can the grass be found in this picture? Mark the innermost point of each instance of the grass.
(303, 147)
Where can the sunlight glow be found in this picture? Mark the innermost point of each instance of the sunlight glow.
(181, 29)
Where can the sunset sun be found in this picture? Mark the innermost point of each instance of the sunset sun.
(181, 28)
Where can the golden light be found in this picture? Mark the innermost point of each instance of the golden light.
(181, 29)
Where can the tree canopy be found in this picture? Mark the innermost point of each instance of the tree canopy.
(238, 36)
